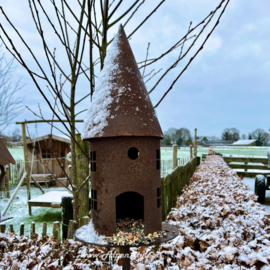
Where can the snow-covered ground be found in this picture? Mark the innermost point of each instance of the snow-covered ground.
(19, 211)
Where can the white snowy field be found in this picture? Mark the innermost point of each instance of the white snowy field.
(166, 152)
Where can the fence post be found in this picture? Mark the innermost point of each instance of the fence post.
(67, 214)
(70, 230)
(2, 228)
(174, 156)
(26, 167)
(56, 230)
(33, 230)
(85, 220)
(11, 230)
(195, 143)
(7, 180)
(21, 229)
(44, 229)
(190, 152)
(75, 225)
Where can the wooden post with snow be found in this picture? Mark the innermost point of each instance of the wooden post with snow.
(56, 230)
(26, 167)
(85, 220)
(21, 229)
(174, 156)
(33, 230)
(191, 152)
(82, 172)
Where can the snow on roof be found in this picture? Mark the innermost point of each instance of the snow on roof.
(57, 137)
(244, 142)
(120, 104)
(98, 112)
(217, 142)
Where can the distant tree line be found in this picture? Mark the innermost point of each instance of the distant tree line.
(182, 136)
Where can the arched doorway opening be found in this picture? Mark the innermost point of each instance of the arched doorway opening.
(129, 204)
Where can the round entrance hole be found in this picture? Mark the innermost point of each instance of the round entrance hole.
(133, 153)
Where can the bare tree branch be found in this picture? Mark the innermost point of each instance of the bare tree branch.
(123, 15)
(147, 17)
(191, 59)
(147, 51)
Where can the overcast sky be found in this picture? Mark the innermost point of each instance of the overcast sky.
(227, 84)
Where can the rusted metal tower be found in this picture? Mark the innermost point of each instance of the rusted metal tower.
(124, 135)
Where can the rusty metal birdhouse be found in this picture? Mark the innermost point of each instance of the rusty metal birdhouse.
(5, 158)
(124, 135)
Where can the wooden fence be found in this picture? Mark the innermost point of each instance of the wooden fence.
(16, 170)
(172, 185)
(247, 166)
(72, 227)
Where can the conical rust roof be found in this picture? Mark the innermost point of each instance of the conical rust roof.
(121, 105)
(5, 156)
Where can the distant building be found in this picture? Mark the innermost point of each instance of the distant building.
(216, 143)
(48, 148)
(245, 143)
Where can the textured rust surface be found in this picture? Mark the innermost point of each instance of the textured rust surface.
(116, 173)
(132, 112)
(118, 182)
(5, 156)
(171, 233)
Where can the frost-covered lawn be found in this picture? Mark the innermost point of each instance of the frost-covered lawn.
(166, 152)
(19, 211)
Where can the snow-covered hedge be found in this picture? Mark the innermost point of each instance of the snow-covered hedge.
(221, 226)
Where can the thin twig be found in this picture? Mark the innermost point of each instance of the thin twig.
(147, 51)
(191, 59)
(147, 17)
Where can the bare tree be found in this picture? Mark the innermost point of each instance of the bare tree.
(230, 134)
(172, 133)
(261, 136)
(85, 42)
(243, 137)
(10, 106)
(184, 134)
(214, 138)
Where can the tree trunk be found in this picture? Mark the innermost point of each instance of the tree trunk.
(82, 165)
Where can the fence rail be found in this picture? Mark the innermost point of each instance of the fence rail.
(56, 231)
(247, 166)
(173, 184)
